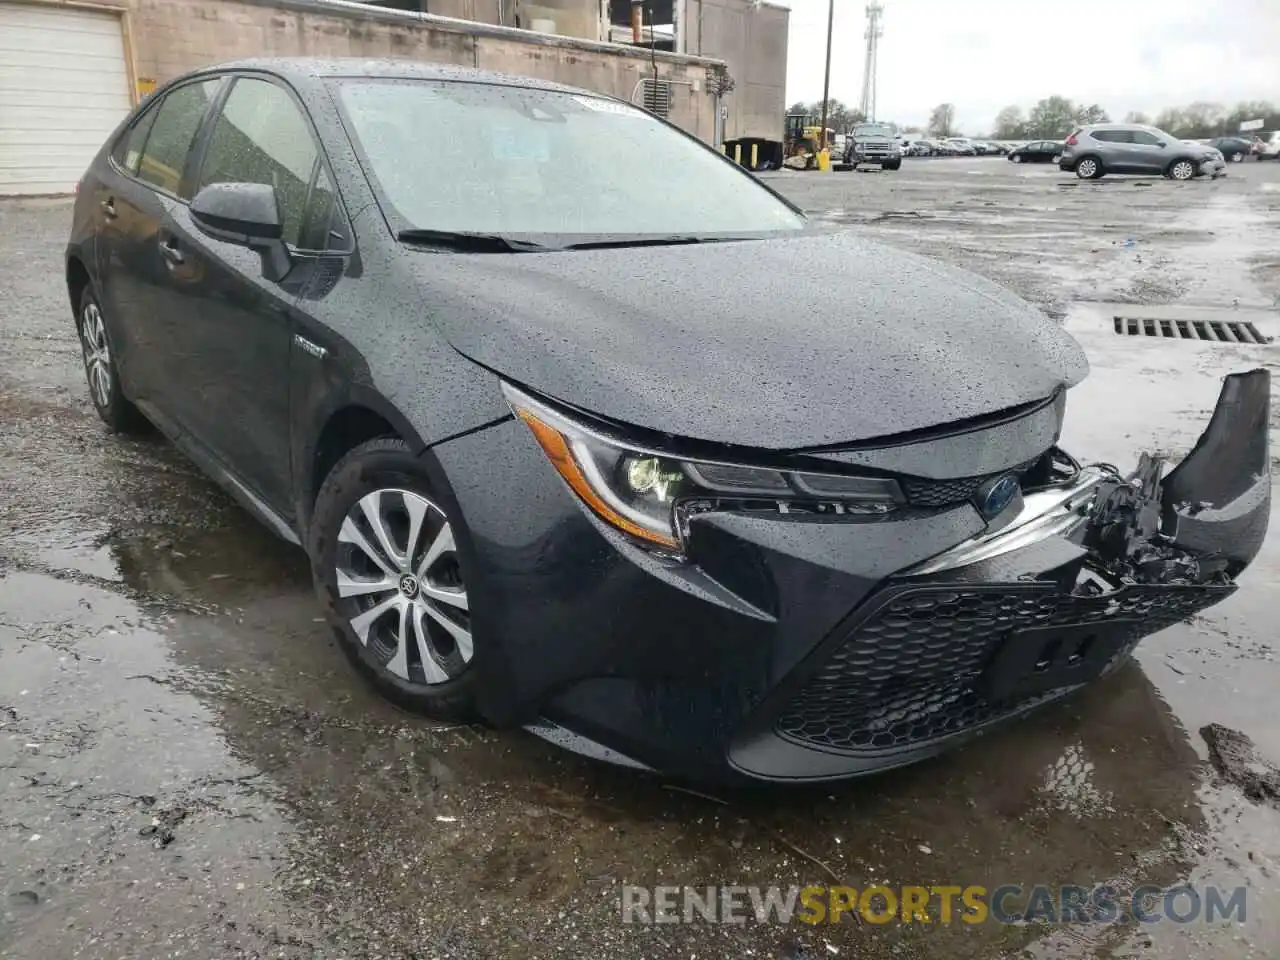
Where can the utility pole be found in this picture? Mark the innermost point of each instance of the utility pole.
(875, 10)
(826, 77)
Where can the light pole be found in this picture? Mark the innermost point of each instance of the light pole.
(826, 77)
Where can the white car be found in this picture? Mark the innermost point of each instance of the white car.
(1270, 147)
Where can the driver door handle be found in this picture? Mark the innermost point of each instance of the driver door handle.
(109, 208)
(171, 252)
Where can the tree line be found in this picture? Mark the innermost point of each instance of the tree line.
(840, 116)
(1054, 118)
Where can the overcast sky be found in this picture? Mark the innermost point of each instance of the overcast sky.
(982, 55)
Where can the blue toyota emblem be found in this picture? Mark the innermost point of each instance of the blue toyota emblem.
(999, 495)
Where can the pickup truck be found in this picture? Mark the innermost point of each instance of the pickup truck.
(873, 143)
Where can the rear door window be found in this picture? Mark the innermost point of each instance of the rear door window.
(177, 119)
(1110, 136)
(261, 136)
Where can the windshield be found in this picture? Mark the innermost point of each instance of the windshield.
(491, 159)
(872, 130)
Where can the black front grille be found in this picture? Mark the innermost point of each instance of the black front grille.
(941, 493)
(908, 673)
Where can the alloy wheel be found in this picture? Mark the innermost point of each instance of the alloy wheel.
(400, 586)
(97, 354)
(1087, 169)
(1017, 158)
(1182, 170)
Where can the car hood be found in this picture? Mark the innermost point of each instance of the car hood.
(809, 340)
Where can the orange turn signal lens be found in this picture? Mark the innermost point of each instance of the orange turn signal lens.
(557, 450)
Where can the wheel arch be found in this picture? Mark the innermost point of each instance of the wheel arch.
(359, 417)
(78, 279)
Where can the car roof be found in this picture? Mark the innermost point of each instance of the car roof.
(1117, 126)
(298, 68)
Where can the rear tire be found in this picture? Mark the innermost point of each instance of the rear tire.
(1088, 168)
(100, 371)
(418, 652)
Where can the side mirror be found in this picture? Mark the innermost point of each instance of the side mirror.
(246, 214)
(1161, 144)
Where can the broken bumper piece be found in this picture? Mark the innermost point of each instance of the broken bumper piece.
(1055, 594)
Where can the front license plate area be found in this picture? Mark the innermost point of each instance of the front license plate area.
(1032, 662)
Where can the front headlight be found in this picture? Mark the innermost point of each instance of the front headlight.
(645, 493)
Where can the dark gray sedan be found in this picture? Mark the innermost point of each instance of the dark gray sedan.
(592, 442)
(1037, 151)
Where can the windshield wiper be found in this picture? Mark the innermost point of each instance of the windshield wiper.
(641, 242)
(467, 240)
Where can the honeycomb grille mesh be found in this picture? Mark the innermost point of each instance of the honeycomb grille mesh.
(908, 674)
(940, 493)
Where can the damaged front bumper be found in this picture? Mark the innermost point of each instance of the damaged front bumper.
(1202, 524)
(797, 645)
(1054, 594)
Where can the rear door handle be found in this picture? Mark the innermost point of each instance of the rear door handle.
(109, 208)
(170, 251)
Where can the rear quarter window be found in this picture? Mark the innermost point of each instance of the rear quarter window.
(128, 149)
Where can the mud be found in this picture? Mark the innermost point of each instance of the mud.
(1238, 761)
(189, 768)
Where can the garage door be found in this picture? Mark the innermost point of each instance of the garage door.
(63, 89)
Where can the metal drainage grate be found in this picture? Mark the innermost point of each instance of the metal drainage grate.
(1224, 331)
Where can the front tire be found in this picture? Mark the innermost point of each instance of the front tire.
(1181, 170)
(1088, 168)
(390, 563)
(1016, 158)
(100, 371)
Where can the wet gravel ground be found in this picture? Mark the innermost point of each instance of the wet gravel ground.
(188, 768)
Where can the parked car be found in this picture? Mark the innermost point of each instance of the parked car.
(871, 142)
(1270, 149)
(551, 462)
(922, 148)
(961, 147)
(1100, 148)
(1037, 151)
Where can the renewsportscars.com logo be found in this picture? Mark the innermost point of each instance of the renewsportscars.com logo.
(1008, 903)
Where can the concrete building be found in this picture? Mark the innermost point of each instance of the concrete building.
(71, 69)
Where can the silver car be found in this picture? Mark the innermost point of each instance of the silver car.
(1098, 148)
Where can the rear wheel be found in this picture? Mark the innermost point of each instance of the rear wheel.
(100, 370)
(1237, 158)
(1181, 170)
(393, 579)
(1088, 168)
